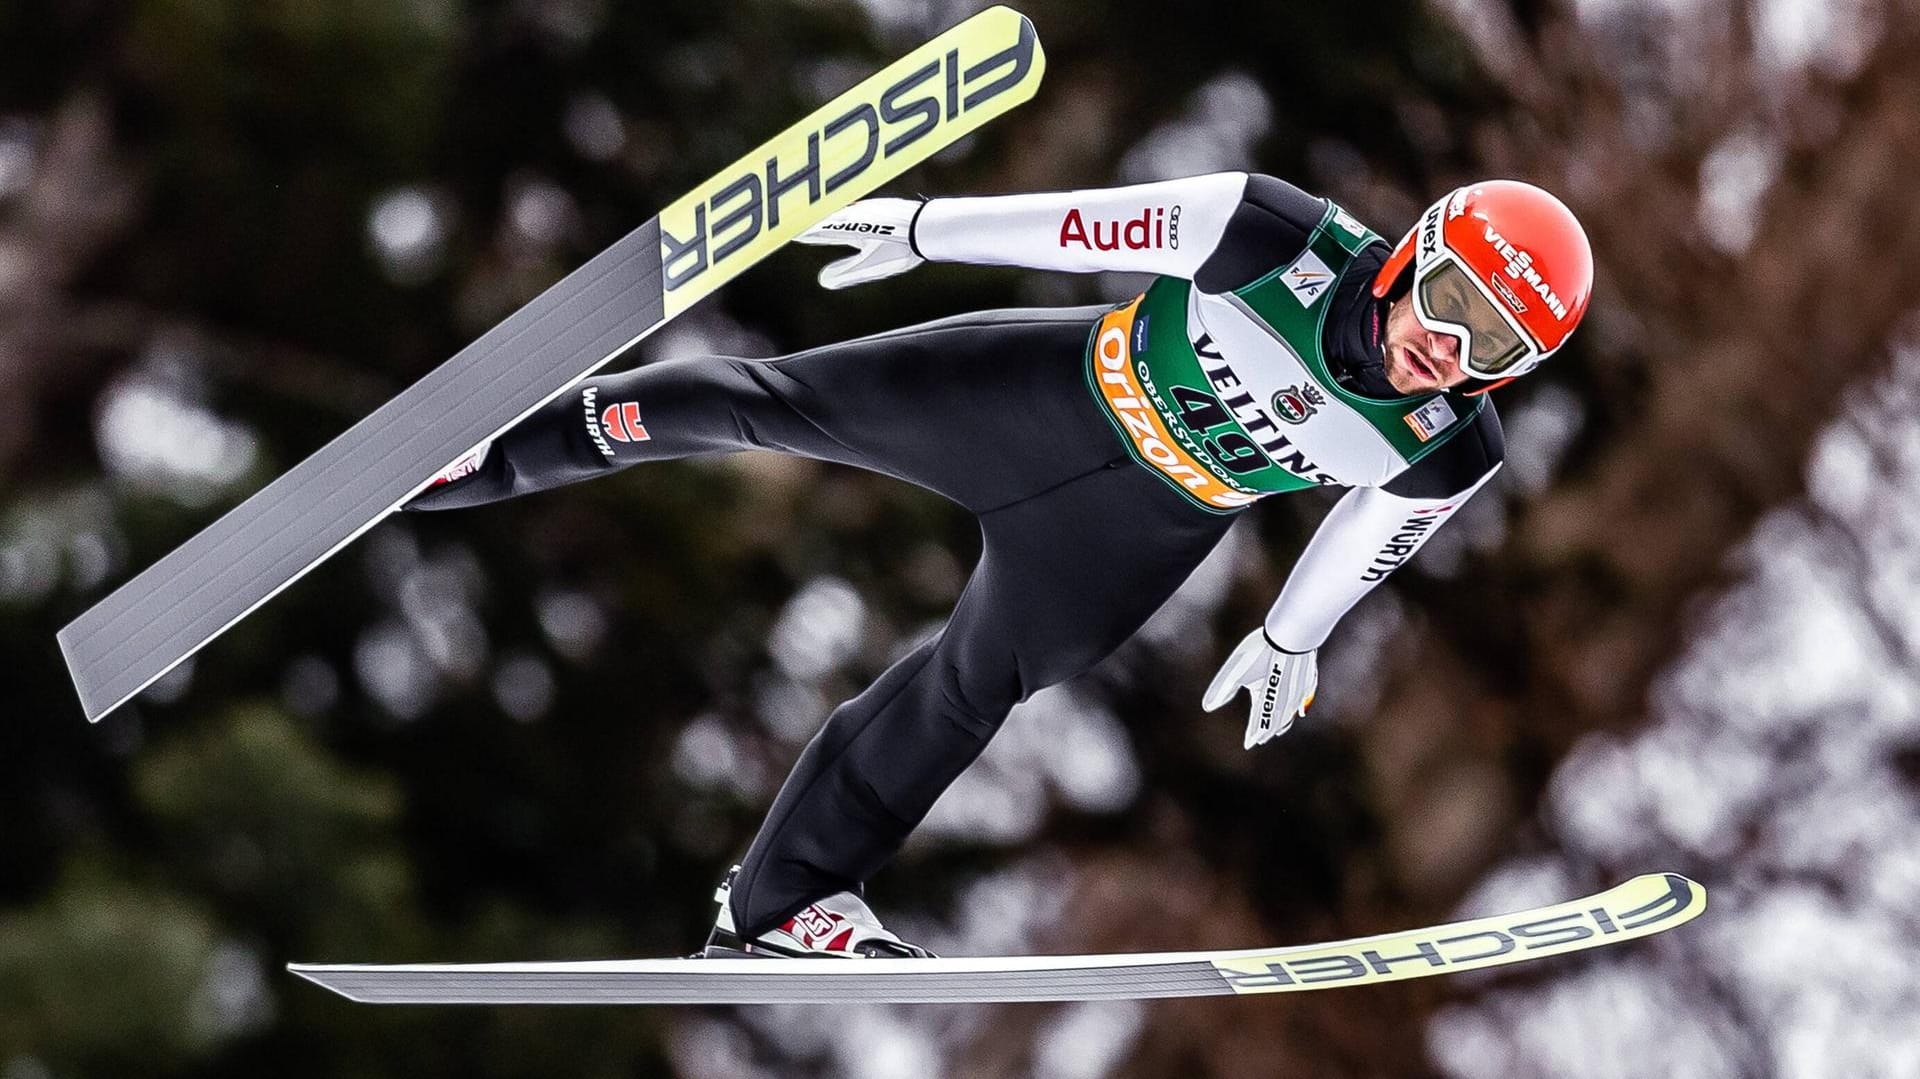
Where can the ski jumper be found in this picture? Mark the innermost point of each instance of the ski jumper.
(1104, 451)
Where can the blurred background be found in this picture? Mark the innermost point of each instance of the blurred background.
(1676, 635)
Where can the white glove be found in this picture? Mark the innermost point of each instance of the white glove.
(882, 229)
(1281, 685)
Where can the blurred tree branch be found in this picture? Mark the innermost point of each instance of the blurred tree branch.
(1705, 376)
(1711, 374)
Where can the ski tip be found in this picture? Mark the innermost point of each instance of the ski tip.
(1665, 899)
(1026, 33)
(1001, 11)
(1678, 883)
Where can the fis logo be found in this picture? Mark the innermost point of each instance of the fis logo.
(1308, 278)
(1156, 227)
(736, 209)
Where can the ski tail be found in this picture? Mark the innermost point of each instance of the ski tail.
(932, 97)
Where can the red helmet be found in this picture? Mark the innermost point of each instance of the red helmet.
(1503, 266)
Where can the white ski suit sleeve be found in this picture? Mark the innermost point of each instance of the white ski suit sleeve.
(1168, 227)
(1175, 227)
(1369, 534)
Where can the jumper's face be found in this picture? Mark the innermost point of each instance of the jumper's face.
(1418, 360)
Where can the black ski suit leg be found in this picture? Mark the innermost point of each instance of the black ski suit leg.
(1081, 545)
(1064, 578)
(660, 412)
(984, 408)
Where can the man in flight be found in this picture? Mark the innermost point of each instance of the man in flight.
(1282, 345)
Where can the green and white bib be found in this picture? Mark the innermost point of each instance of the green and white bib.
(1228, 396)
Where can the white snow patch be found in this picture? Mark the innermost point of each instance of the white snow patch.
(408, 229)
(1088, 1039)
(1734, 177)
(819, 629)
(1058, 740)
(887, 1046)
(1601, 1022)
(1538, 432)
(1832, 36)
(709, 754)
(18, 154)
(792, 711)
(393, 671)
(1223, 122)
(575, 623)
(154, 434)
(523, 686)
(595, 127)
(541, 212)
(232, 998)
(1182, 625)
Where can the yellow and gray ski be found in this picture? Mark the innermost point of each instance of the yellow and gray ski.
(1647, 904)
(846, 149)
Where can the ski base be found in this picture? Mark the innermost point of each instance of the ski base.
(1647, 904)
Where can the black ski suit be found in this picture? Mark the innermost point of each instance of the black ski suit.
(1081, 544)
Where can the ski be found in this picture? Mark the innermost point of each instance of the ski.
(1647, 904)
(897, 118)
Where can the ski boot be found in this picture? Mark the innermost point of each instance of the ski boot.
(839, 926)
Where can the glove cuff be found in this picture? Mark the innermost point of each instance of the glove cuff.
(1271, 643)
(913, 245)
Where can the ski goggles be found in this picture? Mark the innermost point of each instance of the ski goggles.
(1450, 299)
